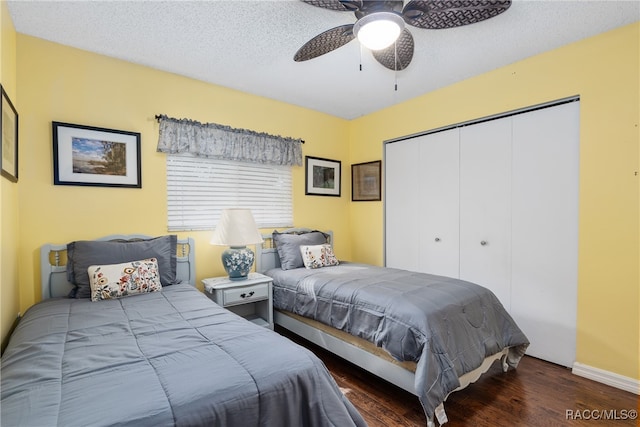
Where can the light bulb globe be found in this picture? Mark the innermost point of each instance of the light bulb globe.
(378, 30)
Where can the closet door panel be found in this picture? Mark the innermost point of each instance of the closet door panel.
(439, 229)
(485, 210)
(545, 230)
(402, 205)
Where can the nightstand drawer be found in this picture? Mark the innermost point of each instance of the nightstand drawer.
(250, 298)
(246, 294)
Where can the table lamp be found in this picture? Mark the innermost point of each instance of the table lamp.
(236, 229)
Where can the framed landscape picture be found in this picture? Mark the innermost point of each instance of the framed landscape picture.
(92, 156)
(322, 176)
(365, 181)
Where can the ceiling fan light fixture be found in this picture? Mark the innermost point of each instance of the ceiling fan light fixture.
(378, 30)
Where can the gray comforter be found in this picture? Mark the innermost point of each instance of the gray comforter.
(161, 359)
(447, 326)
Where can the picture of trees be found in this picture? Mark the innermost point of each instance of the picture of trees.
(324, 177)
(96, 157)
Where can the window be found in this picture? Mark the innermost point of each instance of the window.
(198, 188)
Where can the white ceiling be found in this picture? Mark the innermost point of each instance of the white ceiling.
(249, 45)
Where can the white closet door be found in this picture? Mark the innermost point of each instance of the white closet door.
(545, 230)
(402, 209)
(439, 229)
(485, 207)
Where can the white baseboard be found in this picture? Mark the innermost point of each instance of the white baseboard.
(605, 377)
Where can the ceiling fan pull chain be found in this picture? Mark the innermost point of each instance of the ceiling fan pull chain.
(395, 72)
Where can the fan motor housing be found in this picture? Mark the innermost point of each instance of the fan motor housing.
(379, 6)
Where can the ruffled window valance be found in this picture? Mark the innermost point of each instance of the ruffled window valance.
(227, 143)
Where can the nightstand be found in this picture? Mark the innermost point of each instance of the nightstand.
(250, 298)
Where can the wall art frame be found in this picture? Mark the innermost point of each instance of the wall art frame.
(8, 138)
(365, 181)
(95, 156)
(322, 176)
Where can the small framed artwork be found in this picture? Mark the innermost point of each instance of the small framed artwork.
(92, 156)
(9, 138)
(322, 176)
(365, 181)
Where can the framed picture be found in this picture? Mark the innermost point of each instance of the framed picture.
(322, 176)
(92, 156)
(365, 181)
(9, 138)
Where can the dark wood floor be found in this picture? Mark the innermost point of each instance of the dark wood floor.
(538, 394)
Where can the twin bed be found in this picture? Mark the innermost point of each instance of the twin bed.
(430, 335)
(166, 358)
(167, 355)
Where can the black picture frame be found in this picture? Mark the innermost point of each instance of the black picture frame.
(322, 176)
(8, 138)
(366, 185)
(95, 156)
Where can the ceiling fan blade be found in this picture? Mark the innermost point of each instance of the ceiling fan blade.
(325, 43)
(398, 56)
(339, 5)
(438, 14)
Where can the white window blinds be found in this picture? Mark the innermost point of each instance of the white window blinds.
(198, 188)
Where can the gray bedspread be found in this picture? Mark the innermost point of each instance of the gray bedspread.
(447, 326)
(161, 359)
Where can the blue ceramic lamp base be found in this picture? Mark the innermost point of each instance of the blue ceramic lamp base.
(237, 262)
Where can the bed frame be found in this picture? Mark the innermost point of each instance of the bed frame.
(53, 264)
(267, 258)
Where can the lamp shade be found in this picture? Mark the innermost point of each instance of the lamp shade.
(236, 228)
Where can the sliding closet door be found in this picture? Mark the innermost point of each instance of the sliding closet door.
(485, 206)
(545, 230)
(439, 230)
(402, 204)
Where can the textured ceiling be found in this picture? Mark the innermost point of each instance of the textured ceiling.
(249, 45)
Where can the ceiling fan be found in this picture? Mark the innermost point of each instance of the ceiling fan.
(374, 18)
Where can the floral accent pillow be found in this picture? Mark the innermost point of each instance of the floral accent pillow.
(318, 256)
(121, 280)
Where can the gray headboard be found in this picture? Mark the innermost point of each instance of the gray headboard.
(53, 264)
(267, 254)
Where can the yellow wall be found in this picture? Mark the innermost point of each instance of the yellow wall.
(604, 71)
(58, 83)
(9, 243)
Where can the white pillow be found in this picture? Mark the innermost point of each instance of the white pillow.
(120, 280)
(318, 256)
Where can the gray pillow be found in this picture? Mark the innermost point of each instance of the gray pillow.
(288, 246)
(83, 253)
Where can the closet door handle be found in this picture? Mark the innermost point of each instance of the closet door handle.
(484, 243)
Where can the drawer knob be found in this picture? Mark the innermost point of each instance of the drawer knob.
(245, 295)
